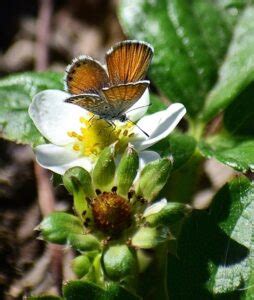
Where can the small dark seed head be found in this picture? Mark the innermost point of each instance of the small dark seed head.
(111, 212)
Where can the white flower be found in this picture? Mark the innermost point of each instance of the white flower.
(76, 141)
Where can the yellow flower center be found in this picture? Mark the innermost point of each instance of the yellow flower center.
(96, 134)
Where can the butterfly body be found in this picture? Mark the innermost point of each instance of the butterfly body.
(110, 95)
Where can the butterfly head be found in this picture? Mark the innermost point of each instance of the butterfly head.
(122, 118)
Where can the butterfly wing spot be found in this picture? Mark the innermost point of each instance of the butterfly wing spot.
(128, 61)
(85, 75)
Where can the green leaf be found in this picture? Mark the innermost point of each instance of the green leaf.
(80, 290)
(45, 297)
(237, 71)
(183, 182)
(217, 246)
(155, 104)
(117, 292)
(16, 93)
(237, 153)
(182, 147)
(249, 292)
(34, 82)
(190, 40)
(15, 123)
(57, 227)
(239, 115)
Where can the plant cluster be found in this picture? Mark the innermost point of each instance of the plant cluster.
(134, 230)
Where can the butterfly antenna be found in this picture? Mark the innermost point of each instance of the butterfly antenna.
(140, 107)
(138, 127)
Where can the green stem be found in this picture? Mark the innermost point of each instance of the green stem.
(153, 282)
(98, 270)
(162, 254)
(196, 129)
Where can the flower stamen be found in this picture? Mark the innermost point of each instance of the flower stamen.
(96, 134)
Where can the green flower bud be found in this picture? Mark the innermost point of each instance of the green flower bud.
(104, 170)
(153, 178)
(127, 170)
(149, 237)
(84, 242)
(169, 214)
(56, 227)
(119, 262)
(81, 265)
(77, 177)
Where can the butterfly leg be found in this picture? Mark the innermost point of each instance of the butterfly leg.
(90, 121)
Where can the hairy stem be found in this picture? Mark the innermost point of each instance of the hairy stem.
(43, 34)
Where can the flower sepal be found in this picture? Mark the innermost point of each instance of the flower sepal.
(79, 183)
(166, 213)
(150, 237)
(57, 227)
(104, 170)
(153, 178)
(77, 177)
(127, 170)
(84, 242)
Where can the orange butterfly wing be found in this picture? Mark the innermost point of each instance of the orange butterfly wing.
(121, 97)
(128, 61)
(85, 75)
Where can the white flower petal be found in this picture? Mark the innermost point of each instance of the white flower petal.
(158, 126)
(146, 157)
(140, 108)
(59, 159)
(155, 208)
(53, 117)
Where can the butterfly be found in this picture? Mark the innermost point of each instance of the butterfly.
(109, 94)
